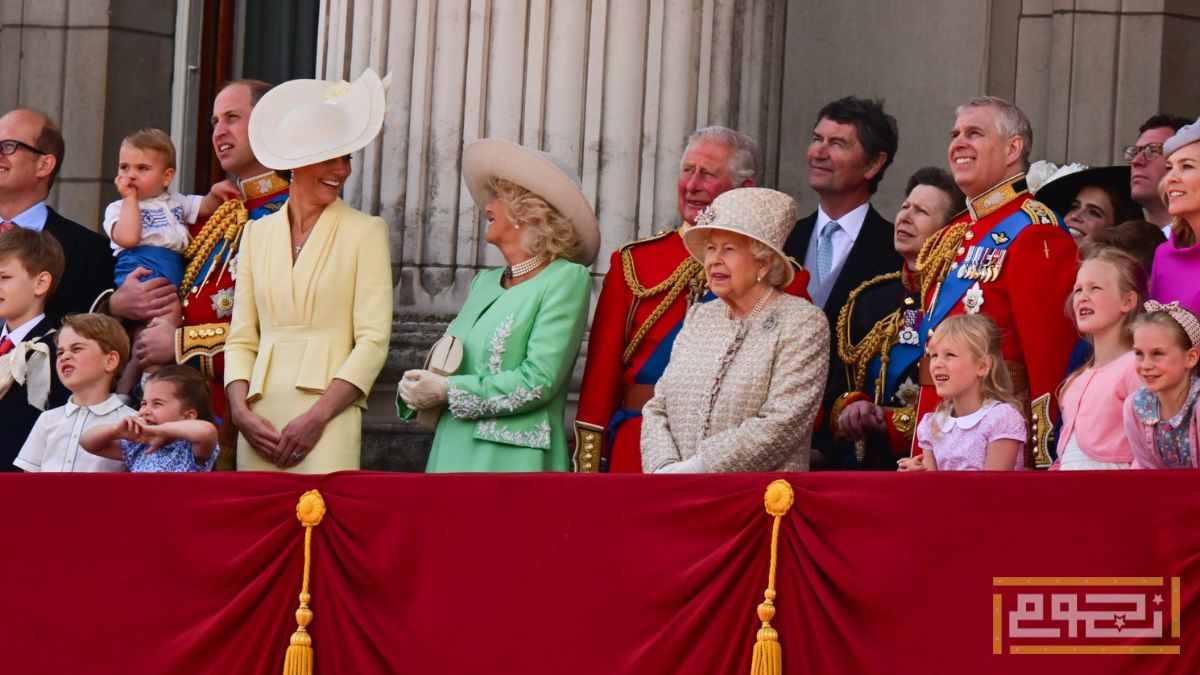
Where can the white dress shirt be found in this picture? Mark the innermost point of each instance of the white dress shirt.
(843, 240)
(53, 444)
(20, 332)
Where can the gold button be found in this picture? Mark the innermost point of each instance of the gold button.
(961, 250)
(908, 302)
(220, 331)
(968, 235)
(192, 334)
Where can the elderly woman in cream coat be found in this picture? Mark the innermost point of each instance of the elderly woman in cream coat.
(313, 305)
(747, 371)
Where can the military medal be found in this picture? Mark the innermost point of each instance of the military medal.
(973, 299)
(908, 392)
(222, 303)
(966, 270)
(908, 332)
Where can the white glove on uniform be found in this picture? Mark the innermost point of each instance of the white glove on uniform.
(422, 389)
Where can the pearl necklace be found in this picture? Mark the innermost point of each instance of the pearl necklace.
(758, 306)
(523, 268)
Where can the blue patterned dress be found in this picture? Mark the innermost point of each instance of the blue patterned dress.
(175, 457)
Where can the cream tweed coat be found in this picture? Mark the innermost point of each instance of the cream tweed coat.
(762, 416)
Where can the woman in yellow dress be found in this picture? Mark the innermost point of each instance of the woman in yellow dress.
(313, 301)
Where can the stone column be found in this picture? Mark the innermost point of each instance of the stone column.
(101, 68)
(1089, 72)
(612, 87)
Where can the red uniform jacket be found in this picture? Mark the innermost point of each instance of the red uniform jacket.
(1026, 298)
(208, 306)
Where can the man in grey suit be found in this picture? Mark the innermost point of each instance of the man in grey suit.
(846, 241)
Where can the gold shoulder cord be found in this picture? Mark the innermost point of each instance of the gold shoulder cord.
(933, 263)
(878, 340)
(936, 257)
(680, 279)
(223, 227)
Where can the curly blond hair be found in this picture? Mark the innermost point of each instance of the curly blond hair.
(547, 232)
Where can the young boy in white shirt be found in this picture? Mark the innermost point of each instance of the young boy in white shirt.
(92, 349)
(31, 263)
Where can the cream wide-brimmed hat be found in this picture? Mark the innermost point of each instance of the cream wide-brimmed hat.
(302, 122)
(542, 174)
(764, 215)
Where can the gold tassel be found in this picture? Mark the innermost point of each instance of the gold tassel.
(299, 658)
(768, 654)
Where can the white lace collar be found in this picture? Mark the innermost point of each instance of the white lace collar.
(968, 421)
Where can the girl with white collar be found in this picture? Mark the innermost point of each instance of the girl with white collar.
(978, 425)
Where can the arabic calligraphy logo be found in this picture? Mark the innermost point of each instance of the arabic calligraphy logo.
(1085, 615)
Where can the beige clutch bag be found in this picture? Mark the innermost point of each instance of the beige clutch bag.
(444, 358)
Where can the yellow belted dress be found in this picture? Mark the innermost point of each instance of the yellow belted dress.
(297, 327)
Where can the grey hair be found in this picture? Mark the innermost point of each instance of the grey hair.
(1010, 121)
(741, 160)
(763, 253)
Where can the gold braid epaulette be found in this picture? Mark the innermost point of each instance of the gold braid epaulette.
(936, 257)
(877, 340)
(225, 223)
(680, 279)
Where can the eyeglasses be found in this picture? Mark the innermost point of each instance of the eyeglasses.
(8, 147)
(1149, 151)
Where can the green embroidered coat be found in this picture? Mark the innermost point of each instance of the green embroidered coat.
(519, 349)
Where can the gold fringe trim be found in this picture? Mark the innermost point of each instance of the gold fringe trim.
(221, 230)
(688, 273)
(768, 654)
(299, 657)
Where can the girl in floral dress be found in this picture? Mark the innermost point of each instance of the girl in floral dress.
(1161, 418)
(172, 433)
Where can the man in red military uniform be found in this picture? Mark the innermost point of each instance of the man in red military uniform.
(649, 286)
(1005, 257)
(207, 292)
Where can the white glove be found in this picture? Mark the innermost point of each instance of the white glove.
(695, 464)
(422, 389)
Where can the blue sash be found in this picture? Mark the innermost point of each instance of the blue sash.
(651, 371)
(954, 288)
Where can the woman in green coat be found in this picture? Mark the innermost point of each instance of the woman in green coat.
(521, 326)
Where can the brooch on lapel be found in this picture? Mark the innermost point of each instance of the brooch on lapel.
(1000, 237)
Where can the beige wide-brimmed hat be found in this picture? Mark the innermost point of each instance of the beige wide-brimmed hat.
(542, 174)
(302, 122)
(761, 214)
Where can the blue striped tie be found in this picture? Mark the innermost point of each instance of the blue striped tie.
(825, 250)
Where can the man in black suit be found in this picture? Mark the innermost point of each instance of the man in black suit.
(31, 152)
(846, 241)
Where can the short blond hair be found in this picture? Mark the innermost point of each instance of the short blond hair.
(104, 331)
(155, 140)
(547, 232)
